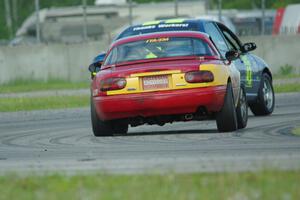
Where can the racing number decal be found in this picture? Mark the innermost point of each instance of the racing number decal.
(153, 40)
(248, 70)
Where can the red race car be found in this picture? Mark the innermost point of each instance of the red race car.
(166, 77)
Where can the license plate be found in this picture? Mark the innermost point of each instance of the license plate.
(155, 82)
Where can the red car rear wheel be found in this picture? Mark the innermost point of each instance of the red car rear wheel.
(226, 119)
(106, 128)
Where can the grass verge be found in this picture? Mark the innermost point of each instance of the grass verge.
(30, 85)
(40, 103)
(267, 185)
(291, 87)
(281, 76)
(53, 84)
(296, 131)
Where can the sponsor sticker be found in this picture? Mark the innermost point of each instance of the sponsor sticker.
(153, 40)
(143, 28)
(173, 25)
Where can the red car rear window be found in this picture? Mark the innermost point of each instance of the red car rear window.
(163, 47)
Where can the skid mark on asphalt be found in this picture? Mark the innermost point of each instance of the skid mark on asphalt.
(67, 141)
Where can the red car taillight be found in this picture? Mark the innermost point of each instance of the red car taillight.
(199, 77)
(112, 84)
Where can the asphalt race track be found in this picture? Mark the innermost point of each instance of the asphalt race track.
(62, 140)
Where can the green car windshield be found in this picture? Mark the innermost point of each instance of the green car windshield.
(163, 47)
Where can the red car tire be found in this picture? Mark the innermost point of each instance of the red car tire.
(227, 119)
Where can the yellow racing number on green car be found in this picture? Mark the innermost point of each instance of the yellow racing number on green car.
(248, 70)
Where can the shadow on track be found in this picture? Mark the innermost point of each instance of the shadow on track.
(193, 131)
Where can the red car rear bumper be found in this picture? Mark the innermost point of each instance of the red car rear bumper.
(160, 103)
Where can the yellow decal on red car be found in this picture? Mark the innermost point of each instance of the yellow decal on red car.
(153, 40)
(176, 80)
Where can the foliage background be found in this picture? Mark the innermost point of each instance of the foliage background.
(25, 7)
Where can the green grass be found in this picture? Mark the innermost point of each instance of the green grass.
(30, 85)
(39, 103)
(54, 84)
(290, 87)
(281, 76)
(296, 131)
(266, 185)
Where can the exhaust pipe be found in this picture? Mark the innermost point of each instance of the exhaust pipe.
(188, 117)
